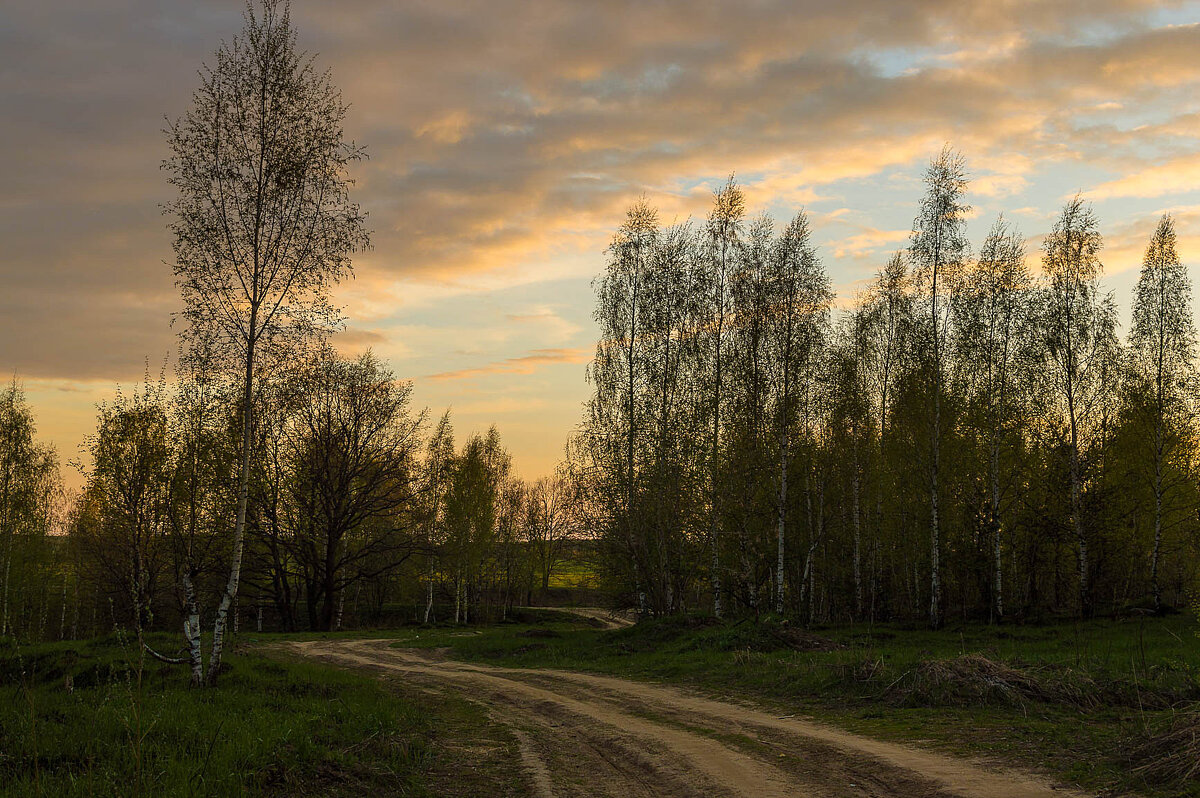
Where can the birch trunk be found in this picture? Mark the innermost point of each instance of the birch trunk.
(713, 531)
(62, 621)
(780, 528)
(191, 630)
(781, 521)
(1158, 505)
(7, 572)
(239, 527)
(998, 587)
(1077, 506)
(429, 600)
(857, 521)
(935, 574)
(75, 608)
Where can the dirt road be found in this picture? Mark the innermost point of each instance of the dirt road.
(610, 619)
(588, 735)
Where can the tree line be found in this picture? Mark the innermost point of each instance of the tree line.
(359, 511)
(970, 435)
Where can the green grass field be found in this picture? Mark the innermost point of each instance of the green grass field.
(575, 575)
(76, 720)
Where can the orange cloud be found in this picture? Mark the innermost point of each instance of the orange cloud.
(1176, 176)
(526, 364)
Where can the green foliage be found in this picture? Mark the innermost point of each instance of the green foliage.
(30, 500)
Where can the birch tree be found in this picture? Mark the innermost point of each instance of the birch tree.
(548, 522)
(619, 371)
(200, 460)
(746, 456)
(129, 481)
(263, 224)
(670, 313)
(28, 481)
(439, 462)
(939, 251)
(800, 304)
(1162, 342)
(1078, 330)
(990, 314)
(723, 238)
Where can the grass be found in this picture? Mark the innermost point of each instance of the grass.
(76, 720)
(1083, 701)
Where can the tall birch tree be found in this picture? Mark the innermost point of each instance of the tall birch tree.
(801, 299)
(263, 222)
(938, 251)
(618, 372)
(1078, 331)
(990, 315)
(1163, 342)
(723, 239)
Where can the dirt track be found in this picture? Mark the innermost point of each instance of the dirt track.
(588, 735)
(610, 619)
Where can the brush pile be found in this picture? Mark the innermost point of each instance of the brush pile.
(975, 680)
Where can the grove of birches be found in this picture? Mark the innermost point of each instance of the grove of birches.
(971, 436)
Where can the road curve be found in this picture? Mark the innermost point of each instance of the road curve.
(588, 735)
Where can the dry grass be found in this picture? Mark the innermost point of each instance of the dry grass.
(975, 680)
(1172, 754)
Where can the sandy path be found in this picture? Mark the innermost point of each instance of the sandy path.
(584, 735)
(610, 619)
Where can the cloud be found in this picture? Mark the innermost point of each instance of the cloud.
(525, 364)
(506, 141)
(550, 324)
(1177, 176)
(869, 242)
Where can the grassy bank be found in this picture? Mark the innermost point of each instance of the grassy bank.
(1107, 704)
(79, 718)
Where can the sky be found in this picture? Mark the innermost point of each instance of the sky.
(506, 139)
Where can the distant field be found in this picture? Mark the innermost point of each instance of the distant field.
(574, 575)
